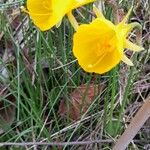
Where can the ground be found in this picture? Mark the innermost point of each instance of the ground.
(46, 97)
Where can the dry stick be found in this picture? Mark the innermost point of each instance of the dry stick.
(55, 143)
(137, 122)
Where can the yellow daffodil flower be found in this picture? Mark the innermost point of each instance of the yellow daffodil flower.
(47, 13)
(99, 46)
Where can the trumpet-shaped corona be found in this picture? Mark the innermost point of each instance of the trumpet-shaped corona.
(47, 13)
(99, 46)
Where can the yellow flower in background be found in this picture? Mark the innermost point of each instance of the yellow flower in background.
(47, 13)
(99, 46)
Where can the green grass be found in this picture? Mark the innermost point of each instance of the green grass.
(44, 71)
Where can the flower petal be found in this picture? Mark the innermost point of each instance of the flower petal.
(125, 19)
(126, 60)
(77, 3)
(96, 46)
(109, 61)
(124, 29)
(132, 46)
(45, 14)
(72, 20)
(97, 12)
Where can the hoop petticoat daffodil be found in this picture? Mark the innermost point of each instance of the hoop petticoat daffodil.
(47, 13)
(99, 46)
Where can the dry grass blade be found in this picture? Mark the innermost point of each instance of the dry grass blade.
(7, 111)
(137, 122)
(81, 98)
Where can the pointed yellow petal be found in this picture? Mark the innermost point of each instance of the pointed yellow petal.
(97, 12)
(124, 29)
(127, 15)
(132, 46)
(126, 60)
(130, 26)
(73, 21)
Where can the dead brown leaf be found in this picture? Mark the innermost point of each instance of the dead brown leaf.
(7, 108)
(81, 99)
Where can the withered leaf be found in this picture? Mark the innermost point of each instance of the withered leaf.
(81, 99)
(7, 108)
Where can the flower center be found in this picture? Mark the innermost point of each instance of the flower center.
(103, 47)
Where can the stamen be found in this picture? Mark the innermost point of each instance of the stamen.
(90, 66)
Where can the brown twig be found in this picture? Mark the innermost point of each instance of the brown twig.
(41, 143)
(137, 122)
(55, 143)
